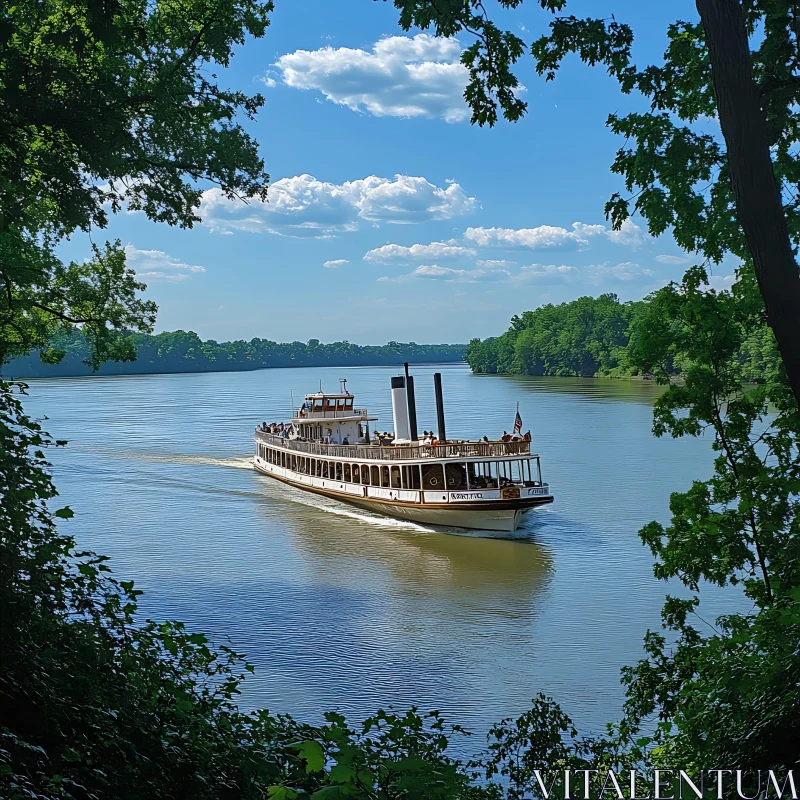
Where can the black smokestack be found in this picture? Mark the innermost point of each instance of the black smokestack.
(437, 387)
(412, 406)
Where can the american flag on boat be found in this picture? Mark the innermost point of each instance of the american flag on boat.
(518, 422)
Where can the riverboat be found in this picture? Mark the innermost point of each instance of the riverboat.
(327, 449)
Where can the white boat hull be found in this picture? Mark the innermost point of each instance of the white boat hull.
(505, 520)
(498, 516)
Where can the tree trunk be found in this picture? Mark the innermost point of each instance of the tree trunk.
(759, 207)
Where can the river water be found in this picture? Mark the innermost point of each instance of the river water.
(341, 609)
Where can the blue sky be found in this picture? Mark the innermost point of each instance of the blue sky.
(391, 217)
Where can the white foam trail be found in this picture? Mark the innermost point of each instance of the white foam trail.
(321, 503)
(239, 462)
(230, 463)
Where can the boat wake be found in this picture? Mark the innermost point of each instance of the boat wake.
(243, 462)
(235, 462)
(321, 503)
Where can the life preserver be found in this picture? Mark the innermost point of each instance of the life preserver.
(434, 481)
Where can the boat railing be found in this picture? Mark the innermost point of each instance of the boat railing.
(397, 452)
(329, 413)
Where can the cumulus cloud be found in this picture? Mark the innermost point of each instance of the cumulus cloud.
(585, 231)
(624, 271)
(545, 237)
(721, 282)
(495, 263)
(554, 237)
(435, 272)
(303, 206)
(548, 273)
(491, 271)
(673, 259)
(419, 76)
(157, 265)
(629, 234)
(418, 252)
(335, 263)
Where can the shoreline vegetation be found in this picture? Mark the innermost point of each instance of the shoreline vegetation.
(592, 337)
(185, 351)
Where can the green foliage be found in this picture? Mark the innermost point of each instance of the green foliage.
(105, 104)
(588, 336)
(591, 337)
(181, 351)
(731, 695)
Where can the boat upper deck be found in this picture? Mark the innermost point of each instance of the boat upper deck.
(399, 452)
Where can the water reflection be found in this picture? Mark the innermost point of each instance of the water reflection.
(391, 613)
(633, 390)
(348, 547)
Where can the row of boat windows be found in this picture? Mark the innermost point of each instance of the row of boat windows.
(470, 475)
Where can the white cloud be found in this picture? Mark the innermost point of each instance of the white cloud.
(172, 277)
(435, 272)
(673, 259)
(419, 76)
(157, 265)
(721, 282)
(304, 206)
(630, 234)
(336, 263)
(583, 230)
(495, 263)
(553, 237)
(491, 271)
(548, 273)
(624, 271)
(418, 252)
(545, 237)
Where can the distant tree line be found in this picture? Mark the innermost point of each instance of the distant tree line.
(590, 336)
(185, 351)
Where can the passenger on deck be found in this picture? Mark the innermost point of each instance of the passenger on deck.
(505, 437)
(346, 440)
(527, 437)
(485, 438)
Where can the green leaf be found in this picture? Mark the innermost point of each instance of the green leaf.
(342, 773)
(281, 793)
(328, 793)
(313, 754)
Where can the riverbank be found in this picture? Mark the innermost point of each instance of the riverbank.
(185, 352)
(590, 337)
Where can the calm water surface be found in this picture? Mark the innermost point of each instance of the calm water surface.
(341, 609)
